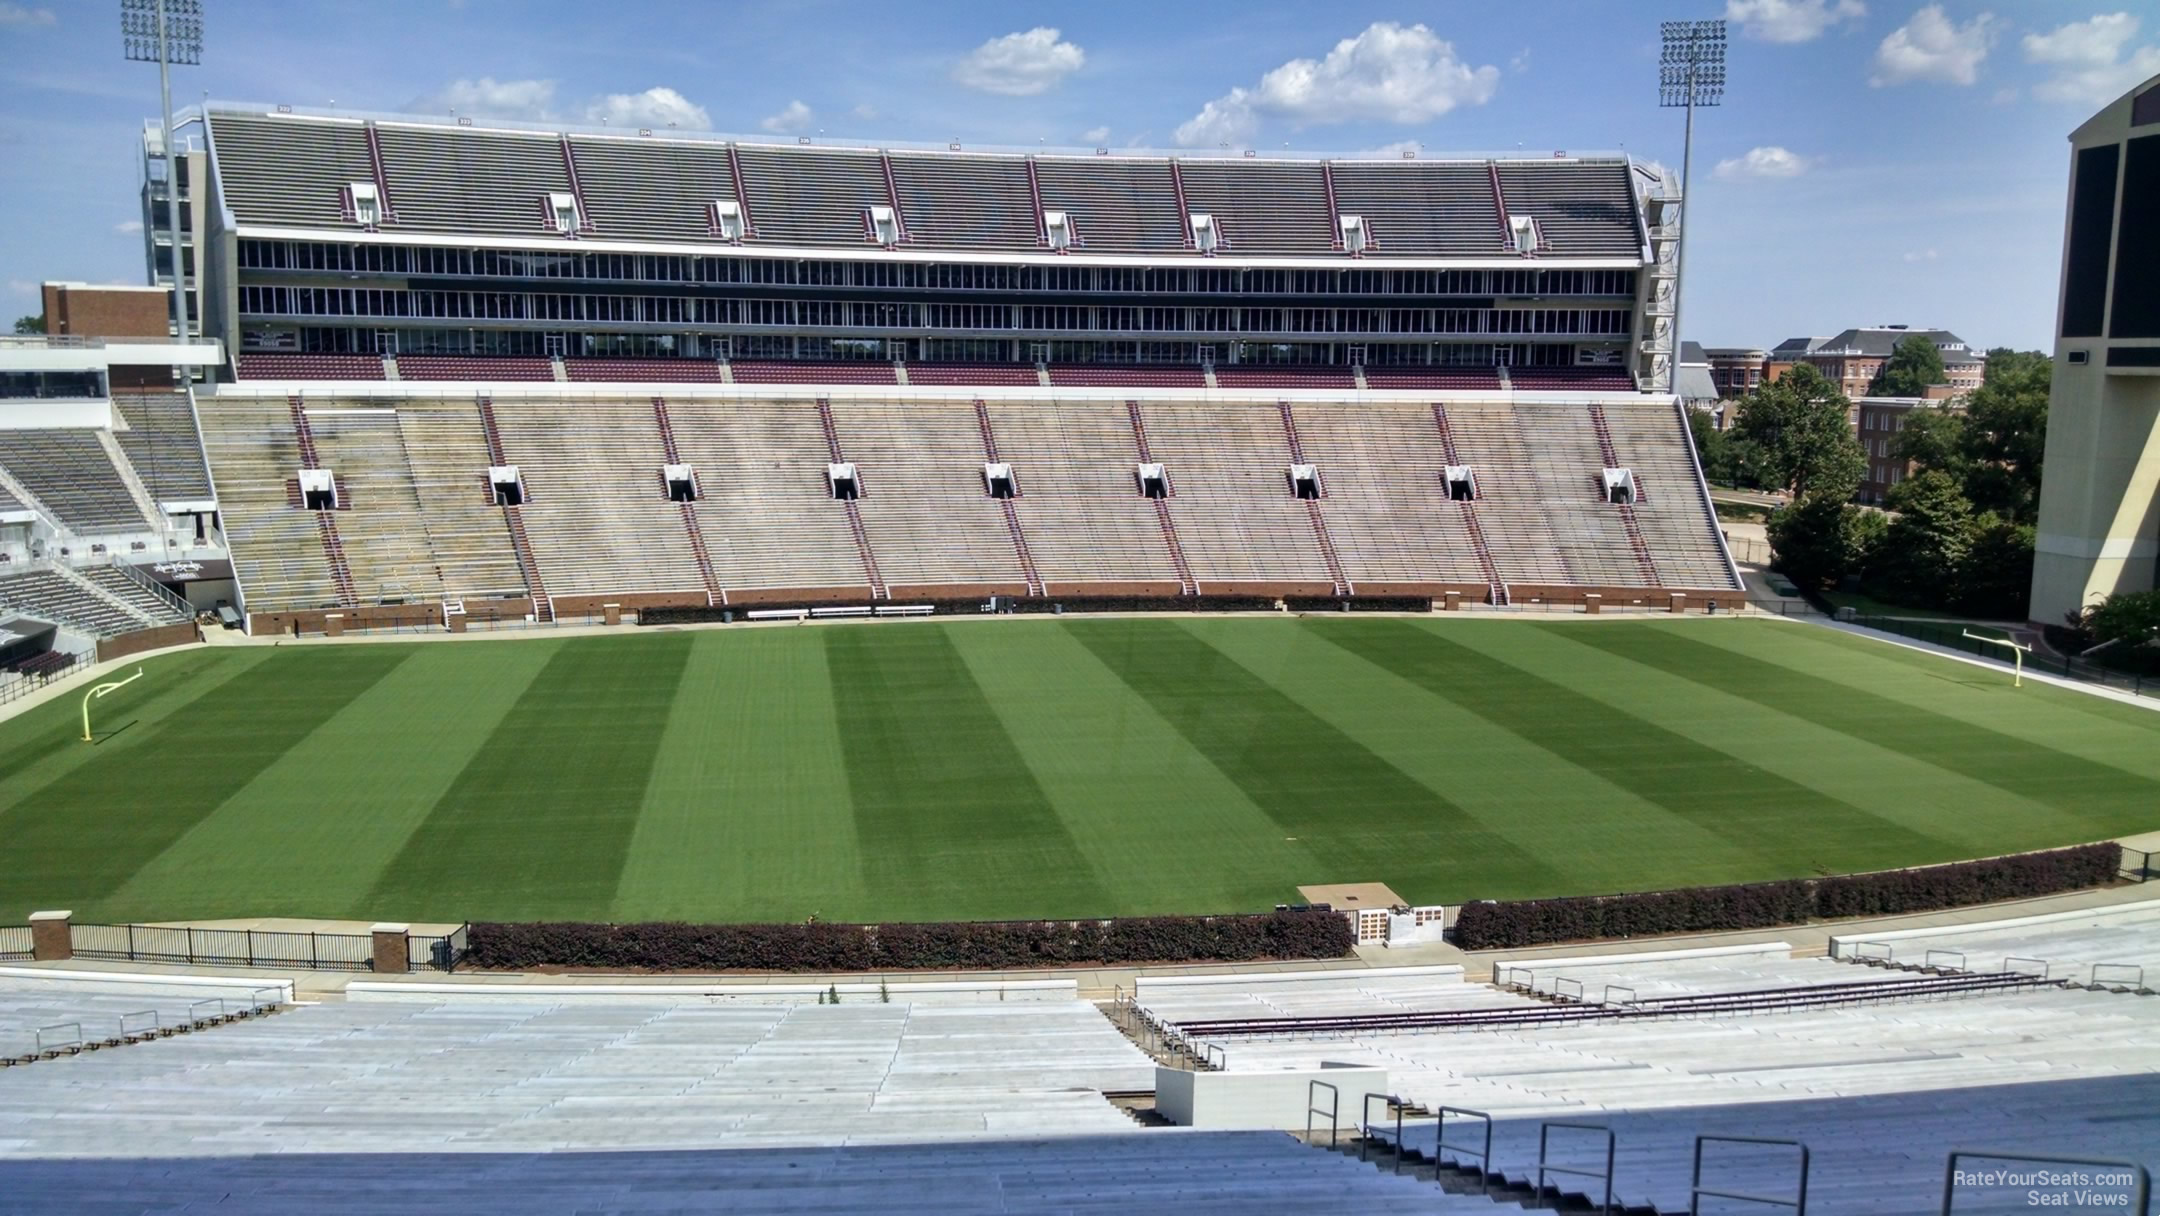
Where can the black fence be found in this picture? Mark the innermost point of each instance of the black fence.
(14, 943)
(1951, 634)
(260, 947)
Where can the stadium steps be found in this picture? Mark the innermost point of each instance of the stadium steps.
(714, 593)
(1012, 513)
(1312, 507)
(1237, 520)
(1075, 499)
(326, 521)
(385, 534)
(1627, 510)
(926, 513)
(878, 589)
(444, 445)
(1187, 585)
(1383, 498)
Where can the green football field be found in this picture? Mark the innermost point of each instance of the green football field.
(1037, 767)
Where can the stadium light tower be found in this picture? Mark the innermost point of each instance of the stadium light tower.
(1691, 73)
(166, 32)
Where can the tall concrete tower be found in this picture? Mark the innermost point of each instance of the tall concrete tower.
(2100, 497)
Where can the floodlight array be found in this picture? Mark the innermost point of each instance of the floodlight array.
(183, 22)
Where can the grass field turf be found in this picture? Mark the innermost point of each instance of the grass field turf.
(1017, 768)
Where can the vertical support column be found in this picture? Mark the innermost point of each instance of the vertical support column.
(1590, 603)
(1452, 602)
(391, 954)
(52, 937)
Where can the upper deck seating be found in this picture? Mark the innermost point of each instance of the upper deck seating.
(281, 365)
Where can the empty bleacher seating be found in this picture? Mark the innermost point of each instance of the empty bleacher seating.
(657, 190)
(1472, 379)
(1284, 375)
(1386, 505)
(1262, 206)
(1128, 375)
(277, 549)
(73, 475)
(1677, 523)
(1115, 205)
(648, 371)
(924, 507)
(811, 196)
(1229, 468)
(964, 375)
(162, 443)
(965, 202)
(1572, 379)
(446, 448)
(281, 365)
(764, 506)
(474, 367)
(760, 371)
(1583, 208)
(153, 608)
(1565, 463)
(1078, 503)
(450, 179)
(595, 507)
(1421, 208)
(289, 171)
(381, 527)
(61, 596)
(1511, 504)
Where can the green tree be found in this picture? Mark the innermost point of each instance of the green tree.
(1817, 542)
(1801, 431)
(1914, 364)
(1710, 445)
(1933, 437)
(30, 325)
(2126, 616)
(2004, 437)
(1925, 549)
(1996, 577)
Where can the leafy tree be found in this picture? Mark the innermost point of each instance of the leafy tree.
(2127, 616)
(2005, 436)
(1710, 445)
(1925, 549)
(30, 325)
(2004, 361)
(1914, 363)
(1801, 431)
(1996, 576)
(1817, 542)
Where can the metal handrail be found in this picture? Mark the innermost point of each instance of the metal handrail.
(1484, 1155)
(196, 1019)
(1959, 955)
(1627, 988)
(2137, 976)
(277, 998)
(1859, 952)
(2141, 1196)
(1567, 979)
(76, 1042)
(1545, 1131)
(1696, 1190)
(2018, 958)
(1312, 1107)
(152, 1014)
(1365, 1126)
(1216, 1056)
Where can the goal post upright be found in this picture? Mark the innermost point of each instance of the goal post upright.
(2017, 655)
(100, 691)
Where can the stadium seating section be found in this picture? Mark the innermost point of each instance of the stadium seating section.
(97, 601)
(416, 520)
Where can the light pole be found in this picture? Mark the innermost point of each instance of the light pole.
(1691, 72)
(166, 32)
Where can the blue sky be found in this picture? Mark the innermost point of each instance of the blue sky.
(1875, 161)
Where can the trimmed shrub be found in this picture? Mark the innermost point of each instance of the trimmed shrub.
(1536, 922)
(957, 945)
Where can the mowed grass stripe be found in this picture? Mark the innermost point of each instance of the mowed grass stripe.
(747, 816)
(1510, 785)
(538, 822)
(1782, 819)
(81, 837)
(317, 826)
(2095, 794)
(1163, 825)
(948, 815)
(1358, 813)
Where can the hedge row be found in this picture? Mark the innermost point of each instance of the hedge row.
(1537, 922)
(673, 946)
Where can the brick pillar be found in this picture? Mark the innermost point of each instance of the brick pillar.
(333, 624)
(456, 623)
(611, 614)
(52, 940)
(1451, 602)
(1677, 605)
(1590, 603)
(390, 951)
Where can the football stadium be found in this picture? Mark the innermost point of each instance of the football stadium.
(645, 671)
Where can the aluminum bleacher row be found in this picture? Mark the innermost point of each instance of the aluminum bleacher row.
(294, 171)
(418, 522)
(1878, 1079)
(71, 472)
(98, 602)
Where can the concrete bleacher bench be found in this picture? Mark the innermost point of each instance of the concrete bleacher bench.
(753, 371)
(698, 371)
(1127, 375)
(474, 367)
(275, 365)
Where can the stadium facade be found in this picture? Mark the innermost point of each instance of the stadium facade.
(2099, 530)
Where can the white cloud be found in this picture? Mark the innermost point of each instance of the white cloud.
(1931, 47)
(2090, 67)
(22, 287)
(655, 107)
(1393, 151)
(1020, 65)
(1770, 161)
(1095, 135)
(865, 111)
(1520, 62)
(487, 97)
(796, 117)
(128, 226)
(14, 15)
(1921, 255)
(1389, 72)
(1790, 20)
